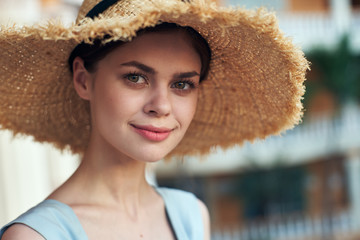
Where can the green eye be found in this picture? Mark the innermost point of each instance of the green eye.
(183, 85)
(180, 85)
(133, 78)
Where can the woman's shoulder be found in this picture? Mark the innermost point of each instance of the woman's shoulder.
(186, 211)
(176, 194)
(50, 219)
(19, 231)
(179, 200)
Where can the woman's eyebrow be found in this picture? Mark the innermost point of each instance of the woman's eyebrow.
(186, 74)
(151, 70)
(141, 66)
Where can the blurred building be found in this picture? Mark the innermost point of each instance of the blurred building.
(306, 183)
(27, 12)
(313, 22)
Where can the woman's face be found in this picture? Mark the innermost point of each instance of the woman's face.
(143, 95)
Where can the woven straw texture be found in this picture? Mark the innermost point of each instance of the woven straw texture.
(254, 87)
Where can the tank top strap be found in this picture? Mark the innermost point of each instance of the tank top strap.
(53, 220)
(184, 213)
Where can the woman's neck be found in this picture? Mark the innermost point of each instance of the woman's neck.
(112, 181)
(106, 177)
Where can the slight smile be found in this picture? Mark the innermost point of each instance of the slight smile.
(152, 133)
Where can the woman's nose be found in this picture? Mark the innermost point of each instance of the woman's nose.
(159, 103)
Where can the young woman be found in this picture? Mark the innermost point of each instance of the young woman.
(145, 80)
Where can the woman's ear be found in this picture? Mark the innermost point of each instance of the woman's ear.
(82, 79)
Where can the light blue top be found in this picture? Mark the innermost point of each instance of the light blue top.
(57, 221)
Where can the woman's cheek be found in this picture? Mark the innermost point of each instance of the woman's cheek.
(186, 110)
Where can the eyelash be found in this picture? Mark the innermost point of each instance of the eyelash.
(126, 77)
(191, 84)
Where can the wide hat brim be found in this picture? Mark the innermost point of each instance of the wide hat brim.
(254, 87)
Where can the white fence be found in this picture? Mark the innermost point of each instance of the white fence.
(339, 226)
(319, 136)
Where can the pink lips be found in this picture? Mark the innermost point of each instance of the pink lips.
(152, 133)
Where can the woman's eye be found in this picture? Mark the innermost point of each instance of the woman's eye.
(183, 85)
(180, 85)
(135, 78)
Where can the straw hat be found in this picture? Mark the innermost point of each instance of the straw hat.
(254, 87)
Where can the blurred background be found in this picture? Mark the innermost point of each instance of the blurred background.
(304, 184)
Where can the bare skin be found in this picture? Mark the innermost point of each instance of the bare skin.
(108, 192)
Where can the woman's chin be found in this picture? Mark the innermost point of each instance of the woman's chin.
(152, 153)
(151, 157)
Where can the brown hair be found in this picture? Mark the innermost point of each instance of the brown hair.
(91, 54)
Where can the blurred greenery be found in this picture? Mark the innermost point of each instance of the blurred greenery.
(335, 70)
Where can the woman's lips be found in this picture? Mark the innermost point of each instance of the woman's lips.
(152, 133)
